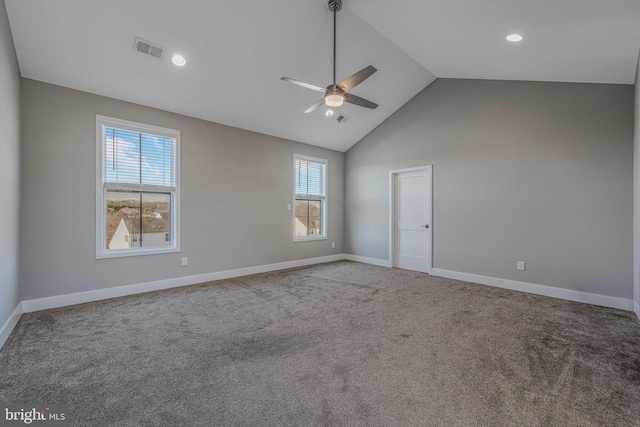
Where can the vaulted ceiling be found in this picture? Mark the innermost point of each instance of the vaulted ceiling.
(236, 52)
(589, 41)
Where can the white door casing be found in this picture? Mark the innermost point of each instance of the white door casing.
(410, 219)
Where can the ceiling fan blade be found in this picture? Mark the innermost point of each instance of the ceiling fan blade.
(315, 106)
(356, 100)
(303, 84)
(357, 78)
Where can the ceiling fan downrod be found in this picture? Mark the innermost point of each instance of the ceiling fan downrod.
(334, 6)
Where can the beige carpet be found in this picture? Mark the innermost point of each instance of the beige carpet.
(335, 344)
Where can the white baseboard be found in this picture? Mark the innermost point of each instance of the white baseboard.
(367, 260)
(549, 291)
(637, 309)
(11, 323)
(101, 294)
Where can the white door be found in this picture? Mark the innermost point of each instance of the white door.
(413, 220)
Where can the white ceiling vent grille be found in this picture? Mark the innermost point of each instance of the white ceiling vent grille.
(147, 48)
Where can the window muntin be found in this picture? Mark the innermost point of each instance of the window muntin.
(137, 188)
(310, 194)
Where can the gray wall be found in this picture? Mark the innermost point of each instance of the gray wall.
(9, 170)
(529, 171)
(235, 188)
(636, 187)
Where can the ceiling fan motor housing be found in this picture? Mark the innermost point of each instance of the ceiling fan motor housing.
(335, 5)
(334, 90)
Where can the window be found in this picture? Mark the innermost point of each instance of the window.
(310, 198)
(137, 189)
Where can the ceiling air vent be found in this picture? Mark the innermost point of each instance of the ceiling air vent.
(148, 48)
(342, 118)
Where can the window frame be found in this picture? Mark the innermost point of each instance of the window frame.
(324, 203)
(101, 191)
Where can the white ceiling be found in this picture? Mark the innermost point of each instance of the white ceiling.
(237, 51)
(591, 41)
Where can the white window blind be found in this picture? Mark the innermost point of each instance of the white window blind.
(138, 158)
(310, 179)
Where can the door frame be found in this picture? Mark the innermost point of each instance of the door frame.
(393, 239)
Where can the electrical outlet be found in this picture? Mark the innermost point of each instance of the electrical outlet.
(521, 265)
(185, 260)
(288, 207)
(333, 245)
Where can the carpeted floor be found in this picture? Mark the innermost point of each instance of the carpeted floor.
(335, 344)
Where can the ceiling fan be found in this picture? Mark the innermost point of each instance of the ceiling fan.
(337, 94)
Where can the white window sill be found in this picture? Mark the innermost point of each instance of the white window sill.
(136, 252)
(309, 239)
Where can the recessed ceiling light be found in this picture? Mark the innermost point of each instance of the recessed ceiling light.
(514, 37)
(178, 60)
(329, 113)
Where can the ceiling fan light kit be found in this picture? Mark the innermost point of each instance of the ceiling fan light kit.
(334, 100)
(337, 94)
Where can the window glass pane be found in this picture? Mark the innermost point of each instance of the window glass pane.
(301, 176)
(302, 218)
(158, 155)
(156, 219)
(310, 178)
(122, 156)
(308, 218)
(139, 158)
(123, 212)
(314, 218)
(315, 181)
